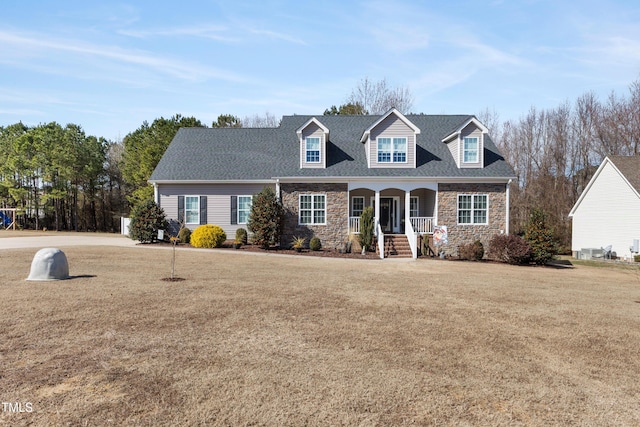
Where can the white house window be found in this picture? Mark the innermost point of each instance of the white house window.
(312, 150)
(399, 150)
(312, 209)
(470, 150)
(357, 205)
(414, 209)
(192, 209)
(244, 209)
(472, 208)
(392, 150)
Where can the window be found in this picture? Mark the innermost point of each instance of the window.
(357, 205)
(312, 150)
(472, 209)
(392, 150)
(399, 150)
(244, 209)
(414, 209)
(312, 209)
(470, 150)
(192, 209)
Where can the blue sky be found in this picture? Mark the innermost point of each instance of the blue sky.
(108, 66)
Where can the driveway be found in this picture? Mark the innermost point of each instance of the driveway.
(58, 240)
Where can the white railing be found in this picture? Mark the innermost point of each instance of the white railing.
(380, 240)
(412, 237)
(422, 224)
(354, 225)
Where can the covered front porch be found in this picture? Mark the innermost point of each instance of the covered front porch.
(399, 208)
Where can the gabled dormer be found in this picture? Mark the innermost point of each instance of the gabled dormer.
(313, 137)
(391, 141)
(466, 144)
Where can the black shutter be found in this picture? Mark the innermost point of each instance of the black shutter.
(234, 209)
(181, 209)
(203, 209)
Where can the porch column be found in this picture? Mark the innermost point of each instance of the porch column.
(377, 210)
(407, 210)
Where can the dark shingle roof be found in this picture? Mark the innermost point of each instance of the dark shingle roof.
(629, 166)
(209, 154)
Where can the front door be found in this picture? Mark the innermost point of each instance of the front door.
(387, 214)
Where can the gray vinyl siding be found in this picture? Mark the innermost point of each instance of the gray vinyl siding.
(426, 201)
(313, 130)
(392, 127)
(471, 130)
(454, 149)
(218, 201)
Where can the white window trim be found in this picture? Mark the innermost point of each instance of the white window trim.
(477, 150)
(391, 161)
(306, 150)
(473, 196)
(238, 208)
(352, 208)
(185, 210)
(313, 210)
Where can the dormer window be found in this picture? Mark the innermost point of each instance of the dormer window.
(392, 150)
(313, 138)
(470, 150)
(312, 150)
(466, 144)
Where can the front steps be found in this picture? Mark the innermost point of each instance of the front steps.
(396, 246)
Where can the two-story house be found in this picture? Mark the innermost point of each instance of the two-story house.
(416, 171)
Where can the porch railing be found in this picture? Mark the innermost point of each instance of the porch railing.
(412, 237)
(354, 225)
(380, 234)
(422, 224)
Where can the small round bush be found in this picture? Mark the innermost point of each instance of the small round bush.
(208, 236)
(315, 244)
(241, 236)
(184, 235)
(471, 251)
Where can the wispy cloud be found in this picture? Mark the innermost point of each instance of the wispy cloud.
(236, 33)
(212, 32)
(42, 45)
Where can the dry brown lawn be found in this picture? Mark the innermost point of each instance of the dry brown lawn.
(293, 341)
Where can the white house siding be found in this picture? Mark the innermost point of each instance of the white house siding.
(218, 201)
(609, 214)
(313, 130)
(392, 127)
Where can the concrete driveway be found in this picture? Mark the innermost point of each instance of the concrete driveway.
(58, 240)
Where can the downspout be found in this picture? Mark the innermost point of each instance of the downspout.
(156, 196)
(508, 198)
(278, 188)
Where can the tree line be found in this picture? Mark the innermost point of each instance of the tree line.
(60, 178)
(555, 152)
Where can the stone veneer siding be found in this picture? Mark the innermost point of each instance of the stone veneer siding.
(334, 234)
(468, 233)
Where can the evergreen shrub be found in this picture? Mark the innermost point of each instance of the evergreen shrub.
(241, 236)
(184, 235)
(208, 236)
(146, 219)
(315, 244)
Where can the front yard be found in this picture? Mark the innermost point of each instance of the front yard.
(270, 340)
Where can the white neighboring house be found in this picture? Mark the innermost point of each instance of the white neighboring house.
(608, 210)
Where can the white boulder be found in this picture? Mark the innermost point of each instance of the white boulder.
(49, 264)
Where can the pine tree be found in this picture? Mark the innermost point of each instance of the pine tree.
(541, 238)
(265, 219)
